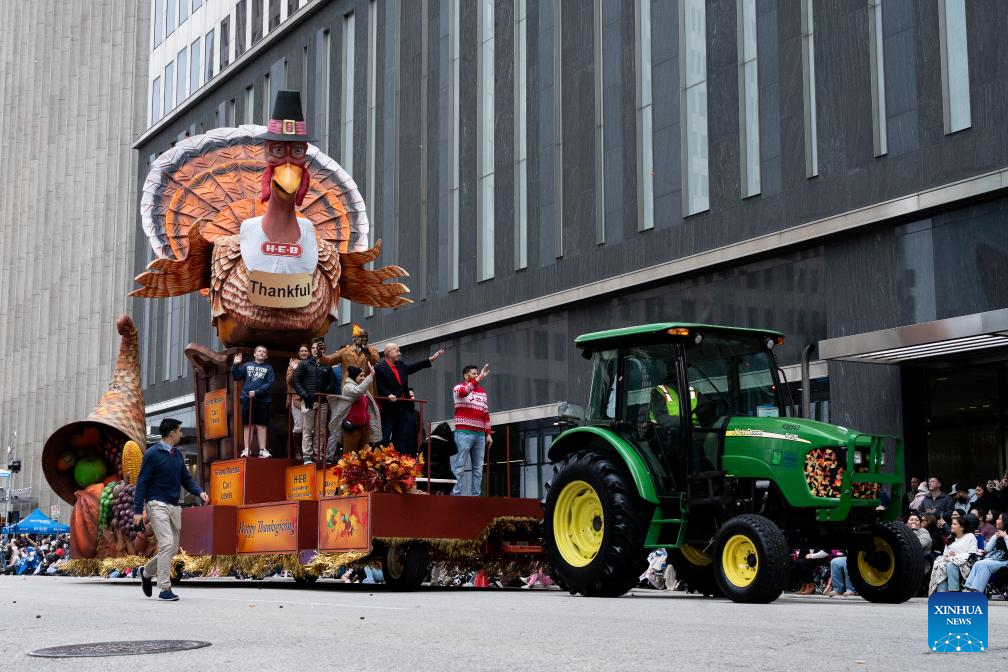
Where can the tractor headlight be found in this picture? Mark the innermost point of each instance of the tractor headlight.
(858, 457)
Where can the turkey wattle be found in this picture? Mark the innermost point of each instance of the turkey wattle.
(234, 214)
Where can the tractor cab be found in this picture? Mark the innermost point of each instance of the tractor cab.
(673, 388)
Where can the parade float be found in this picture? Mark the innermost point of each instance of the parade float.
(273, 233)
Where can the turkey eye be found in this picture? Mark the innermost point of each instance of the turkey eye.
(277, 150)
(298, 152)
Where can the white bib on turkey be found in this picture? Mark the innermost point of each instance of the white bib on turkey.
(261, 254)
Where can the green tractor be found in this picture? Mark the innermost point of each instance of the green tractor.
(685, 444)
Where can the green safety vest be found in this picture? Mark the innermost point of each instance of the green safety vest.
(672, 402)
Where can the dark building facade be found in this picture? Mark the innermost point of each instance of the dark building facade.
(833, 170)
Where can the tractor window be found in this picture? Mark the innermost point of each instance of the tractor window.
(731, 376)
(646, 368)
(602, 402)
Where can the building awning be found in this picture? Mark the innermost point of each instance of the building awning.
(926, 340)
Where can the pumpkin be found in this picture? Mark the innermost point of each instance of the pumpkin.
(84, 525)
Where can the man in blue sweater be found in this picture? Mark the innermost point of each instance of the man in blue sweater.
(163, 473)
(258, 377)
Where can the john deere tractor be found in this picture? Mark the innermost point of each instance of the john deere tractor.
(686, 444)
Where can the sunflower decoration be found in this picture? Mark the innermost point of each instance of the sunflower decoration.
(377, 469)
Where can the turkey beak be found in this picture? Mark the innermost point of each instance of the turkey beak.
(287, 179)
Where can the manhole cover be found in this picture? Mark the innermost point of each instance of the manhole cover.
(136, 648)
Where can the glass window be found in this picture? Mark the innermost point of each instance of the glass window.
(645, 126)
(267, 92)
(558, 128)
(748, 98)
(453, 206)
(599, 126)
(875, 35)
(169, 88)
(194, 66)
(347, 119)
(347, 93)
(954, 65)
(323, 64)
(182, 72)
(602, 399)
(196, 4)
(158, 21)
(155, 100)
(809, 90)
(241, 28)
(274, 14)
(232, 113)
(693, 77)
(521, 134)
(183, 11)
(729, 376)
(485, 144)
(169, 17)
(257, 20)
(292, 6)
(225, 42)
(208, 51)
(249, 105)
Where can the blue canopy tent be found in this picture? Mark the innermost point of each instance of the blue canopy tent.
(37, 523)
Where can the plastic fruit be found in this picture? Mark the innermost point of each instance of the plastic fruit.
(66, 461)
(89, 470)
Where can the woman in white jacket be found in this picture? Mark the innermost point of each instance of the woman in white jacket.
(951, 568)
(354, 389)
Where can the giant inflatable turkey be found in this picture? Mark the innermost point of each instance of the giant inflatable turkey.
(269, 228)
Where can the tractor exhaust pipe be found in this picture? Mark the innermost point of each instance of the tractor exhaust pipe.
(806, 385)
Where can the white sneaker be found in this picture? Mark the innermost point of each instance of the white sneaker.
(264, 453)
(244, 453)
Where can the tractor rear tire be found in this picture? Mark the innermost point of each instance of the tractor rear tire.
(887, 566)
(695, 568)
(752, 559)
(404, 567)
(595, 524)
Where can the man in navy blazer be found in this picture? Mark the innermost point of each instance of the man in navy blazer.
(392, 381)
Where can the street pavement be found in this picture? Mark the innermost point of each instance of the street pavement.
(276, 625)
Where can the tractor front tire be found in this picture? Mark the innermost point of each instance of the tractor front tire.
(404, 566)
(595, 525)
(887, 566)
(752, 559)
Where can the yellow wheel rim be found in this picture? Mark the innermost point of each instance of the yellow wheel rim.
(872, 575)
(578, 523)
(739, 561)
(695, 556)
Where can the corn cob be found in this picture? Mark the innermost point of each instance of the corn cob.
(132, 455)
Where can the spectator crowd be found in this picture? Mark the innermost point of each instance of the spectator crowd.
(29, 554)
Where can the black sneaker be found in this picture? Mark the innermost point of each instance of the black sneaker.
(168, 596)
(146, 584)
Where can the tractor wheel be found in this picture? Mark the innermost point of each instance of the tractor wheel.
(752, 559)
(594, 525)
(404, 567)
(695, 568)
(887, 566)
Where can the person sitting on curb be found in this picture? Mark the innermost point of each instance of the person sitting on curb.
(951, 567)
(995, 558)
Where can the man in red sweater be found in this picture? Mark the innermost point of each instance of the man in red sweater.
(472, 427)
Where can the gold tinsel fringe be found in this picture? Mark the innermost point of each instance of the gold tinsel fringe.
(459, 555)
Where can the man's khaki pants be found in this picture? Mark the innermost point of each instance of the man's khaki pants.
(309, 440)
(166, 520)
